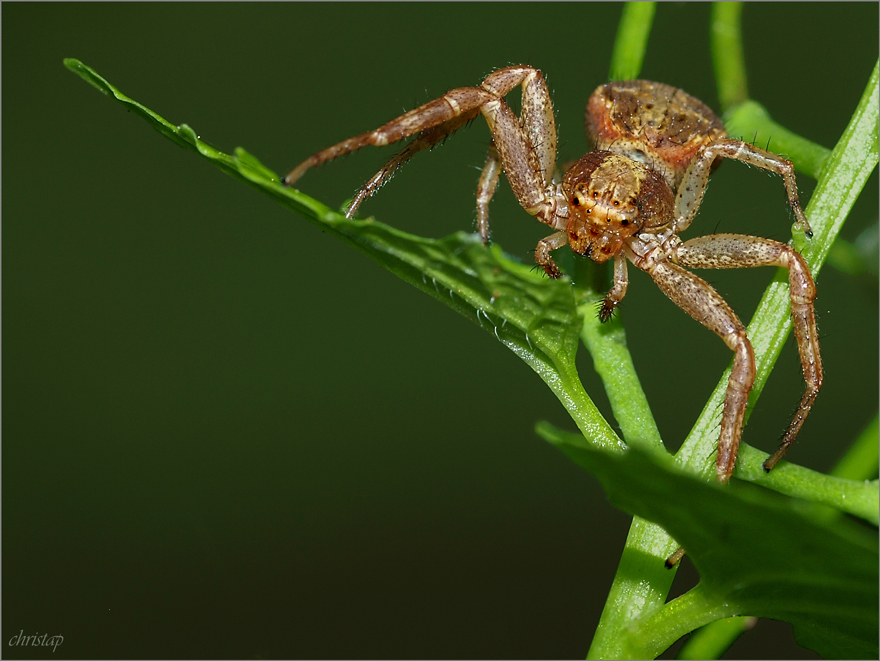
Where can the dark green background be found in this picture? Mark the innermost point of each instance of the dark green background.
(227, 434)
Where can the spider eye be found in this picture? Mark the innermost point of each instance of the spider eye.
(616, 203)
(624, 222)
(595, 194)
(575, 201)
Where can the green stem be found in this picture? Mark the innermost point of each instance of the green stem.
(655, 633)
(744, 118)
(632, 40)
(614, 365)
(750, 121)
(727, 54)
(641, 582)
(715, 638)
(853, 496)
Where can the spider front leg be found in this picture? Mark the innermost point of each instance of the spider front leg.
(426, 140)
(693, 186)
(526, 150)
(721, 251)
(526, 147)
(437, 119)
(697, 297)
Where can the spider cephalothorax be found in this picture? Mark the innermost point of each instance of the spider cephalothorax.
(628, 200)
(611, 198)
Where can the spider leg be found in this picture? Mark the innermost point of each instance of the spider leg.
(618, 290)
(697, 297)
(524, 147)
(519, 160)
(740, 251)
(542, 253)
(425, 140)
(693, 186)
(486, 189)
(537, 110)
(451, 105)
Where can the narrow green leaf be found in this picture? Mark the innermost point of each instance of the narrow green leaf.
(856, 497)
(758, 554)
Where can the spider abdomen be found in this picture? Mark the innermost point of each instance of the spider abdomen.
(652, 123)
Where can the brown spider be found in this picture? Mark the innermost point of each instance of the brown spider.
(655, 146)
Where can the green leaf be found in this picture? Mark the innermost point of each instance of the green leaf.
(533, 316)
(758, 554)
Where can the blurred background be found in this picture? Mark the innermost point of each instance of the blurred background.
(226, 434)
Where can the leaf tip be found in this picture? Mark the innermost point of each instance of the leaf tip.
(87, 74)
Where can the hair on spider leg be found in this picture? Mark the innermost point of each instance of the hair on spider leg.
(537, 267)
(717, 413)
(713, 452)
(599, 307)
